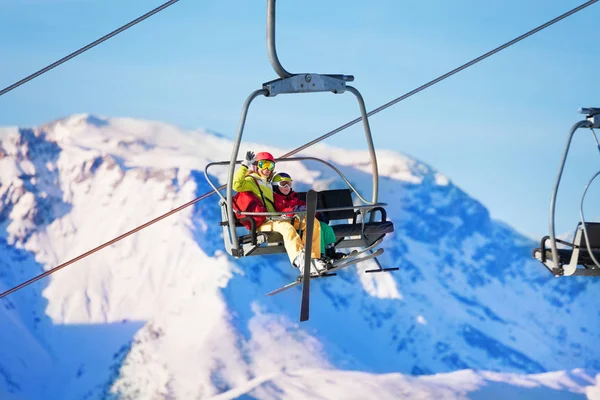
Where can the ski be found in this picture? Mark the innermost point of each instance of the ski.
(353, 261)
(311, 206)
(336, 267)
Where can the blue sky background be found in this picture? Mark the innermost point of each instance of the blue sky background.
(497, 129)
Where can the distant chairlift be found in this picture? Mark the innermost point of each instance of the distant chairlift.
(582, 256)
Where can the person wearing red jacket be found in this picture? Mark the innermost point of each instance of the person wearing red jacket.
(285, 199)
(254, 176)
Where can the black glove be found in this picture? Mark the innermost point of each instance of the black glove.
(249, 159)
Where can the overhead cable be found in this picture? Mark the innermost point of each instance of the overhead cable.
(87, 47)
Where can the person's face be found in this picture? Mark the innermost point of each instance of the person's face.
(265, 167)
(285, 187)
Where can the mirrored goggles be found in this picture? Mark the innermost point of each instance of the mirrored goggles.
(285, 183)
(262, 164)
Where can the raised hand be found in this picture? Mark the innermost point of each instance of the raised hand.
(249, 159)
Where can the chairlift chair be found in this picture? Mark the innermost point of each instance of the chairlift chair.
(579, 258)
(367, 230)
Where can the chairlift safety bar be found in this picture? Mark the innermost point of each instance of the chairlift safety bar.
(279, 160)
(277, 213)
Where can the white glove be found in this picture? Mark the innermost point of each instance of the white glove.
(249, 159)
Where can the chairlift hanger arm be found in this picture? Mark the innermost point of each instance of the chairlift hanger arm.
(587, 123)
(282, 72)
(232, 162)
(272, 50)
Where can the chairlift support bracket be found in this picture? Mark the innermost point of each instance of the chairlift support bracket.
(592, 116)
(307, 83)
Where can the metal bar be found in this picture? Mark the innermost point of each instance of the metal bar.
(365, 121)
(595, 138)
(580, 124)
(347, 78)
(210, 182)
(583, 224)
(587, 272)
(234, 152)
(570, 268)
(589, 111)
(275, 63)
(372, 271)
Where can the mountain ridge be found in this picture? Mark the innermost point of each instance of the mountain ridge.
(187, 320)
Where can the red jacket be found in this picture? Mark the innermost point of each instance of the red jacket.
(287, 203)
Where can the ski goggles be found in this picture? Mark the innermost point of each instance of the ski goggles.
(270, 165)
(284, 183)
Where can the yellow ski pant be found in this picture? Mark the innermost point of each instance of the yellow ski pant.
(292, 242)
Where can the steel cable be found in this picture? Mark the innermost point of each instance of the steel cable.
(87, 47)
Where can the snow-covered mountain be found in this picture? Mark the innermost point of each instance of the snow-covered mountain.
(167, 314)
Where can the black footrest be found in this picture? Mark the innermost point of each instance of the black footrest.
(327, 275)
(382, 270)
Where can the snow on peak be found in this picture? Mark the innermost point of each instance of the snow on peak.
(7, 131)
(165, 312)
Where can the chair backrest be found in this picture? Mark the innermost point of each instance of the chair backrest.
(593, 230)
(338, 198)
(333, 199)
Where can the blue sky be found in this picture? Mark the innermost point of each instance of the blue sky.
(497, 129)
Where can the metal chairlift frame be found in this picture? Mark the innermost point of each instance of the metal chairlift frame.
(294, 83)
(556, 266)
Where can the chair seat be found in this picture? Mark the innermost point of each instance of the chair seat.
(272, 237)
(341, 231)
(371, 228)
(564, 256)
(347, 232)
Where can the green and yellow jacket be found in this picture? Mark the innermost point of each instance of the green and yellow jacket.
(254, 183)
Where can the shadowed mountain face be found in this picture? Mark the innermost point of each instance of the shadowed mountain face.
(166, 313)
